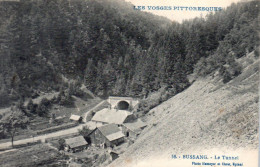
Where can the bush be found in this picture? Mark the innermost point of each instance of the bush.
(230, 70)
(66, 100)
(65, 97)
(43, 108)
(151, 101)
(46, 102)
(61, 144)
(208, 65)
(226, 77)
(31, 107)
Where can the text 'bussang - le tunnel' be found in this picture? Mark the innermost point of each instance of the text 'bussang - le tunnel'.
(122, 105)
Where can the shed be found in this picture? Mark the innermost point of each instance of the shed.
(133, 129)
(76, 144)
(107, 136)
(76, 118)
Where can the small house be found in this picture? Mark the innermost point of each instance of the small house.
(76, 118)
(76, 144)
(133, 129)
(106, 136)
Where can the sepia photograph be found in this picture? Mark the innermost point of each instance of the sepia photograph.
(129, 83)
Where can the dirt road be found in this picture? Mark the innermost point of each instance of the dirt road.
(42, 137)
(49, 135)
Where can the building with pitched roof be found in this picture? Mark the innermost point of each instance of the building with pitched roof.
(133, 129)
(112, 116)
(76, 118)
(107, 136)
(76, 144)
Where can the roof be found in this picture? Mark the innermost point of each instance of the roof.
(109, 129)
(93, 125)
(135, 126)
(111, 116)
(76, 142)
(111, 132)
(115, 136)
(74, 117)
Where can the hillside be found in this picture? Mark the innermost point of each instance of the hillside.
(42, 41)
(114, 49)
(207, 116)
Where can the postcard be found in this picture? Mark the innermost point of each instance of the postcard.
(129, 83)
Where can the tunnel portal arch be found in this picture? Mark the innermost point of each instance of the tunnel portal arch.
(122, 105)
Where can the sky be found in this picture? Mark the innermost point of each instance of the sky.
(178, 16)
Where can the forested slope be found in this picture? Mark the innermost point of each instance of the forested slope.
(114, 49)
(43, 40)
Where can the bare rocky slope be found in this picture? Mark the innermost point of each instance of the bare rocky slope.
(207, 115)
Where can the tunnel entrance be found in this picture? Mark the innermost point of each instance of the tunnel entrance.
(122, 105)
